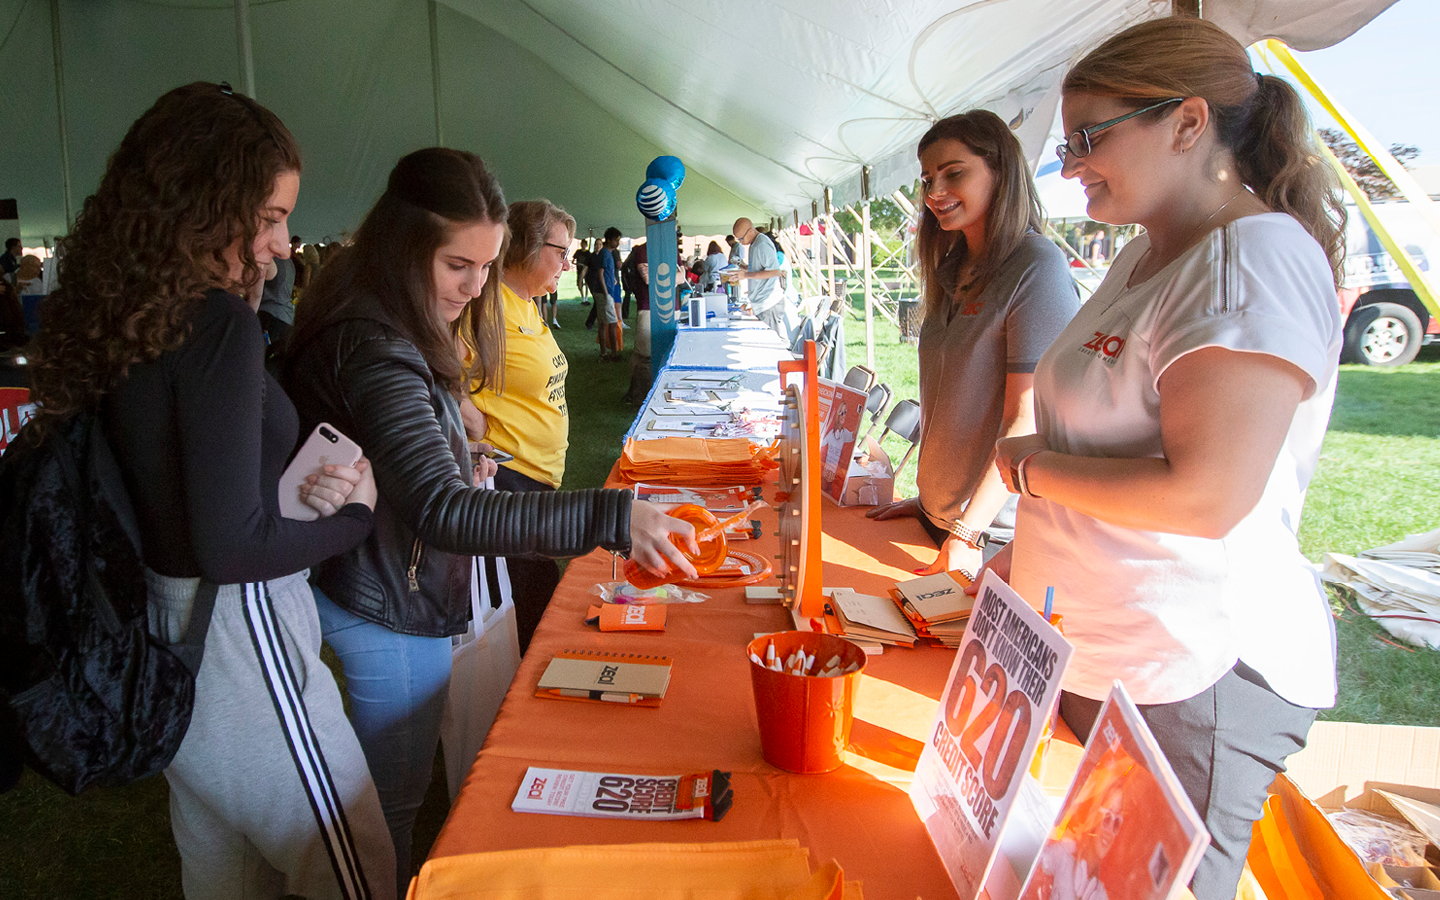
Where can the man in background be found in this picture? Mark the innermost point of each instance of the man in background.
(277, 307)
(763, 276)
(612, 340)
(10, 259)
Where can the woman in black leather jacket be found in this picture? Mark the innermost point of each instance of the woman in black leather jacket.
(374, 353)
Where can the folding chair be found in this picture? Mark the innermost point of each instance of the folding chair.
(875, 404)
(829, 336)
(806, 332)
(862, 378)
(904, 422)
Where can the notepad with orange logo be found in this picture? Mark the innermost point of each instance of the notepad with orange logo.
(601, 676)
(627, 617)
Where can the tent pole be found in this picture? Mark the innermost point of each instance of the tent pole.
(435, 67)
(829, 248)
(242, 42)
(58, 54)
(868, 269)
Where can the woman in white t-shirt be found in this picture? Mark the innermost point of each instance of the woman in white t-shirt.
(1180, 417)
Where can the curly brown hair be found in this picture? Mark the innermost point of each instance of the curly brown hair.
(186, 184)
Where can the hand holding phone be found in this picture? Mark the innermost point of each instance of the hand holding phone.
(326, 446)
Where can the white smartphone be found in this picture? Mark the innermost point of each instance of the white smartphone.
(325, 447)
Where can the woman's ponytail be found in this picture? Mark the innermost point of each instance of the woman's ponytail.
(1276, 154)
(1259, 118)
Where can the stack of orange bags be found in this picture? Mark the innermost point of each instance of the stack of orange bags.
(696, 462)
(752, 870)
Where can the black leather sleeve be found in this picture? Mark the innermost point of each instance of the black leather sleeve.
(386, 389)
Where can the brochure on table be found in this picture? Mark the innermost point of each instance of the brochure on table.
(997, 701)
(703, 402)
(841, 411)
(1126, 830)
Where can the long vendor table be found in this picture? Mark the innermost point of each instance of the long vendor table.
(859, 815)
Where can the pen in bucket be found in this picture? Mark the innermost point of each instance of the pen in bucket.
(1049, 602)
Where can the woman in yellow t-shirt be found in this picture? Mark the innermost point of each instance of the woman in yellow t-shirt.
(528, 418)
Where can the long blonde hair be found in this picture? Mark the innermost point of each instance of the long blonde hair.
(1014, 207)
(1259, 118)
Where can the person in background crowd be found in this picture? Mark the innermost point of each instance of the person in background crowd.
(633, 283)
(548, 305)
(270, 794)
(277, 308)
(627, 289)
(763, 293)
(736, 258)
(595, 284)
(30, 285)
(710, 274)
(638, 264)
(302, 271)
(612, 339)
(12, 318)
(1181, 416)
(376, 355)
(10, 259)
(310, 256)
(581, 262)
(996, 293)
(526, 415)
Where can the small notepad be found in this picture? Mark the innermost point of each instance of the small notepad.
(635, 678)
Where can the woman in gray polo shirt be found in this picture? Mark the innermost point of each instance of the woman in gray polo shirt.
(996, 294)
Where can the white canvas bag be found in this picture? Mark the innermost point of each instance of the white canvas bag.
(486, 658)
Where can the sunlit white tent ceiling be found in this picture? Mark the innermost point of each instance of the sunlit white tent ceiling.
(767, 101)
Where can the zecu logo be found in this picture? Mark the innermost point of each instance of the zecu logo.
(1106, 347)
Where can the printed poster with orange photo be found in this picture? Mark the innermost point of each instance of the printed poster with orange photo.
(1126, 830)
(997, 702)
(841, 411)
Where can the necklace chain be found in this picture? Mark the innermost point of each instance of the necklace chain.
(1191, 236)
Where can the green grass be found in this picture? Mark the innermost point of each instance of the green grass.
(1375, 483)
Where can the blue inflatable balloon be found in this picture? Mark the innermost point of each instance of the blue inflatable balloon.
(656, 199)
(668, 169)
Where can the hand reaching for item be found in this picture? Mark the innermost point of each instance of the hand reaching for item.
(650, 539)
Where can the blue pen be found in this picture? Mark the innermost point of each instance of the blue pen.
(1049, 602)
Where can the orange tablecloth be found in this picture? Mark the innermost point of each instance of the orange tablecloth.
(859, 815)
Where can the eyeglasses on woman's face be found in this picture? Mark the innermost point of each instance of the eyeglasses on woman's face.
(1078, 145)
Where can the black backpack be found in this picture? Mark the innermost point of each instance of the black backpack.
(87, 694)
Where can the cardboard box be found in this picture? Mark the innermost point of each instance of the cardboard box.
(1347, 765)
(871, 478)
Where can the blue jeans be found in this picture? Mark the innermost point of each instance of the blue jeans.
(397, 685)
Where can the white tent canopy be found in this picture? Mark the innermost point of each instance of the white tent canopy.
(767, 101)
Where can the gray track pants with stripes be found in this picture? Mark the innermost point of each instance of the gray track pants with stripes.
(269, 793)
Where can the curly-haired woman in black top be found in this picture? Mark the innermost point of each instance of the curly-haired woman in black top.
(269, 792)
